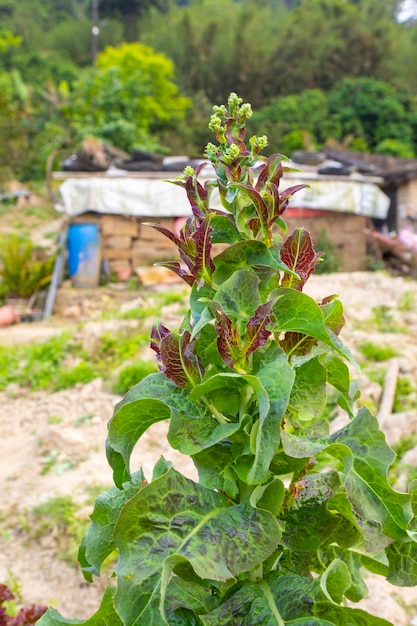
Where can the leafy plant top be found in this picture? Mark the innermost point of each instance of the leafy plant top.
(286, 514)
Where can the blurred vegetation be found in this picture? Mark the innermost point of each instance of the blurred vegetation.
(315, 71)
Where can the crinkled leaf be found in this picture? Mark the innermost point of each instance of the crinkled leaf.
(223, 229)
(105, 616)
(239, 295)
(190, 436)
(337, 372)
(175, 517)
(402, 558)
(382, 513)
(282, 600)
(309, 511)
(298, 254)
(150, 401)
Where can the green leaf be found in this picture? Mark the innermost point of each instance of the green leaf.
(239, 295)
(337, 372)
(224, 230)
(308, 395)
(309, 511)
(335, 581)
(191, 435)
(105, 616)
(381, 513)
(277, 378)
(244, 255)
(152, 400)
(211, 464)
(98, 542)
(297, 312)
(286, 599)
(402, 558)
(175, 517)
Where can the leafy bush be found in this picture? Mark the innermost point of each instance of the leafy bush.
(126, 96)
(285, 516)
(24, 269)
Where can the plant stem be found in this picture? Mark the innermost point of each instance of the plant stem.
(215, 412)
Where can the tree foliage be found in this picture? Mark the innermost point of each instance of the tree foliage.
(290, 58)
(126, 96)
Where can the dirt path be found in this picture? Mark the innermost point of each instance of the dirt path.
(52, 445)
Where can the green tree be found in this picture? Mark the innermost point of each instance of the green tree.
(328, 39)
(296, 121)
(219, 46)
(368, 108)
(127, 97)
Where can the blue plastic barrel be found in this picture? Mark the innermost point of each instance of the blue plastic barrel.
(83, 246)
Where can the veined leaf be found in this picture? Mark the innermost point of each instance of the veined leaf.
(283, 600)
(298, 254)
(381, 513)
(402, 558)
(277, 377)
(308, 395)
(244, 255)
(239, 295)
(153, 399)
(173, 520)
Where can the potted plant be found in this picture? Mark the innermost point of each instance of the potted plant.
(287, 514)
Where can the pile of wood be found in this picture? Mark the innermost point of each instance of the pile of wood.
(393, 252)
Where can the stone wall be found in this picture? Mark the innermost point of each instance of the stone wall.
(127, 243)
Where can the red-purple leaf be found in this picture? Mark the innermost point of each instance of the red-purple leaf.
(157, 334)
(297, 344)
(197, 196)
(175, 267)
(298, 254)
(203, 264)
(259, 204)
(271, 172)
(227, 339)
(171, 360)
(257, 333)
(178, 360)
(164, 231)
(286, 195)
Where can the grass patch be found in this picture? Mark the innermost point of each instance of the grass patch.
(376, 352)
(132, 374)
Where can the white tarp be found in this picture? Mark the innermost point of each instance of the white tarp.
(141, 196)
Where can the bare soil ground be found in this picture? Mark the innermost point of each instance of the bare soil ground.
(53, 443)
